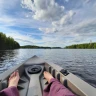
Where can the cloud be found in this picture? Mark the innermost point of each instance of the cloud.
(76, 33)
(66, 19)
(19, 36)
(28, 39)
(22, 39)
(25, 41)
(49, 11)
(48, 30)
(62, 22)
(86, 28)
(4, 20)
(12, 14)
(8, 21)
(45, 10)
(66, 36)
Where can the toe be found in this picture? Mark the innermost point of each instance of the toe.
(45, 72)
(14, 74)
(17, 74)
(11, 75)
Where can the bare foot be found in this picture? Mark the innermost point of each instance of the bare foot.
(48, 76)
(14, 78)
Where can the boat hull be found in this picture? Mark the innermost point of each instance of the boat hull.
(32, 82)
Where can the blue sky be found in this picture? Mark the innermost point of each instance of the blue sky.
(49, 22)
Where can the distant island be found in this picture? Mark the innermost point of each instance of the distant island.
(7, 43)
(38, 47)
(82, 46)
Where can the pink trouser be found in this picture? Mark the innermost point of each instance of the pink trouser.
(55, 88)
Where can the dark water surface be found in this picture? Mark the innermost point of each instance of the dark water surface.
(78, 61)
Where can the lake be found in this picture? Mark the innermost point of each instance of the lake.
(81, 62)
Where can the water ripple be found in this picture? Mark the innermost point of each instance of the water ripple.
(80, 62)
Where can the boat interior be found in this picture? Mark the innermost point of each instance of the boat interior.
(32, 81)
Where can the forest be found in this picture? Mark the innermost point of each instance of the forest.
(7, 42)
(82, 46)
(38, 47)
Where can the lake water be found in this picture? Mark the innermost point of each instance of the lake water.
(81, 62)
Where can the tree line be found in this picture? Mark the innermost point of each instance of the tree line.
(7, 42)
(34, 47)
(82, 46)
(38, 47)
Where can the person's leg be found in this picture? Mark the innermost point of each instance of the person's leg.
(48, 76)
(55, 88)
(13, 80)
(12, 86)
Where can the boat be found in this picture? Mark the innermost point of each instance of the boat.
(32, 81)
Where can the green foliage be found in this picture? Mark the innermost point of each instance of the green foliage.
(82, 46)
(38, 47)
(7, 42)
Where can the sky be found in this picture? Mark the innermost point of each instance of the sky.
(54, 23)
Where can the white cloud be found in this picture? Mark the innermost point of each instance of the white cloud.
(84, 28)
(21, 38)
(49, 11)
(66, 36)
(45, 10)
(77, 33)
(59, 24)
(66, 19)
(8, 21)
(11, 14)
(48, 30)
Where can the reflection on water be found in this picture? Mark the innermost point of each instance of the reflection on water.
(80, 62)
